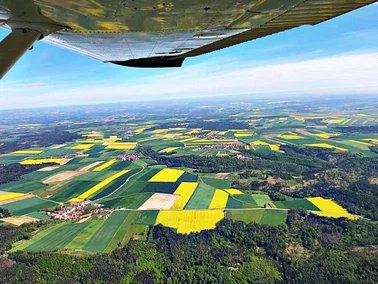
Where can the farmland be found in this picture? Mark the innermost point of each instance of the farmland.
(188, 173)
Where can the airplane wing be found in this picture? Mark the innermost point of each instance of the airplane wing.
(162, 33)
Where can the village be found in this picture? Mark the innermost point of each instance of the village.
(78, 210)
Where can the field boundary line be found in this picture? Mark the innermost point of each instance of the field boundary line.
(126, 181)
(59, 203)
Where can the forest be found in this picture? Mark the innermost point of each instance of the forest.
(307, 249)
(37, 139)
(13, 172)
(340, 176)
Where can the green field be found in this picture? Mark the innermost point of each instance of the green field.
(133, 201)
(26, 206)
(58, 238)
(201, 198)
(261, 199)
(105, 234)
(233, 203)
(126, 231)
(83, 237)
(297, 203)
(73, 189)
(161, 187)
(217, 183)
(273, 217)
(22, 186)
(39, 215)
(146, 217)
(247, 216)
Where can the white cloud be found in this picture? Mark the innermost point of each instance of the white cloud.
(345, 74)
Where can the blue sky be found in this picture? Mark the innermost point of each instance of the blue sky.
(339, 56)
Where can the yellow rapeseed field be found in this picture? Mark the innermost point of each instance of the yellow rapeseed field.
(169, 136)
(140, 130)
(104, 166)
(188, 139)
(290, 136)
(82, 147)
(28, 152)
(346, 121)
(274, 147)
(167, 175)
(185, 190)
(111, 139)
(247, 147)
(169, 150)
(11, 195)
(325, 145)
(233, 191)
(299, 118)
(243, 134)
(122, 145)
(329, 208)
(362, 115)
(98, 186)
(41, 161)
(219, 200)
(187, 221)
(326, 135)
(195, 131)
(160, 130)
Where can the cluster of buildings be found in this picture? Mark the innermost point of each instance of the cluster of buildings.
(221, 146)
(240, 157)
(128, 134)
(78, 210)
(128, 157)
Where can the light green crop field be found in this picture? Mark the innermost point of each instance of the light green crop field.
(273, 217)
(261, 199)
(22, 186)
(83, 237)
(101, 239)
(26, 206)
(201, 198)
(58, 238)
(217, 183)
(246, 216)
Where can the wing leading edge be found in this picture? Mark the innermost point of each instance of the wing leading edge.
(156, 33)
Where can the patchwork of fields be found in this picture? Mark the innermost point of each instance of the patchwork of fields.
(113, 172)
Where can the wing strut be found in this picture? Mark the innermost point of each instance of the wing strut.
(14, 46)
